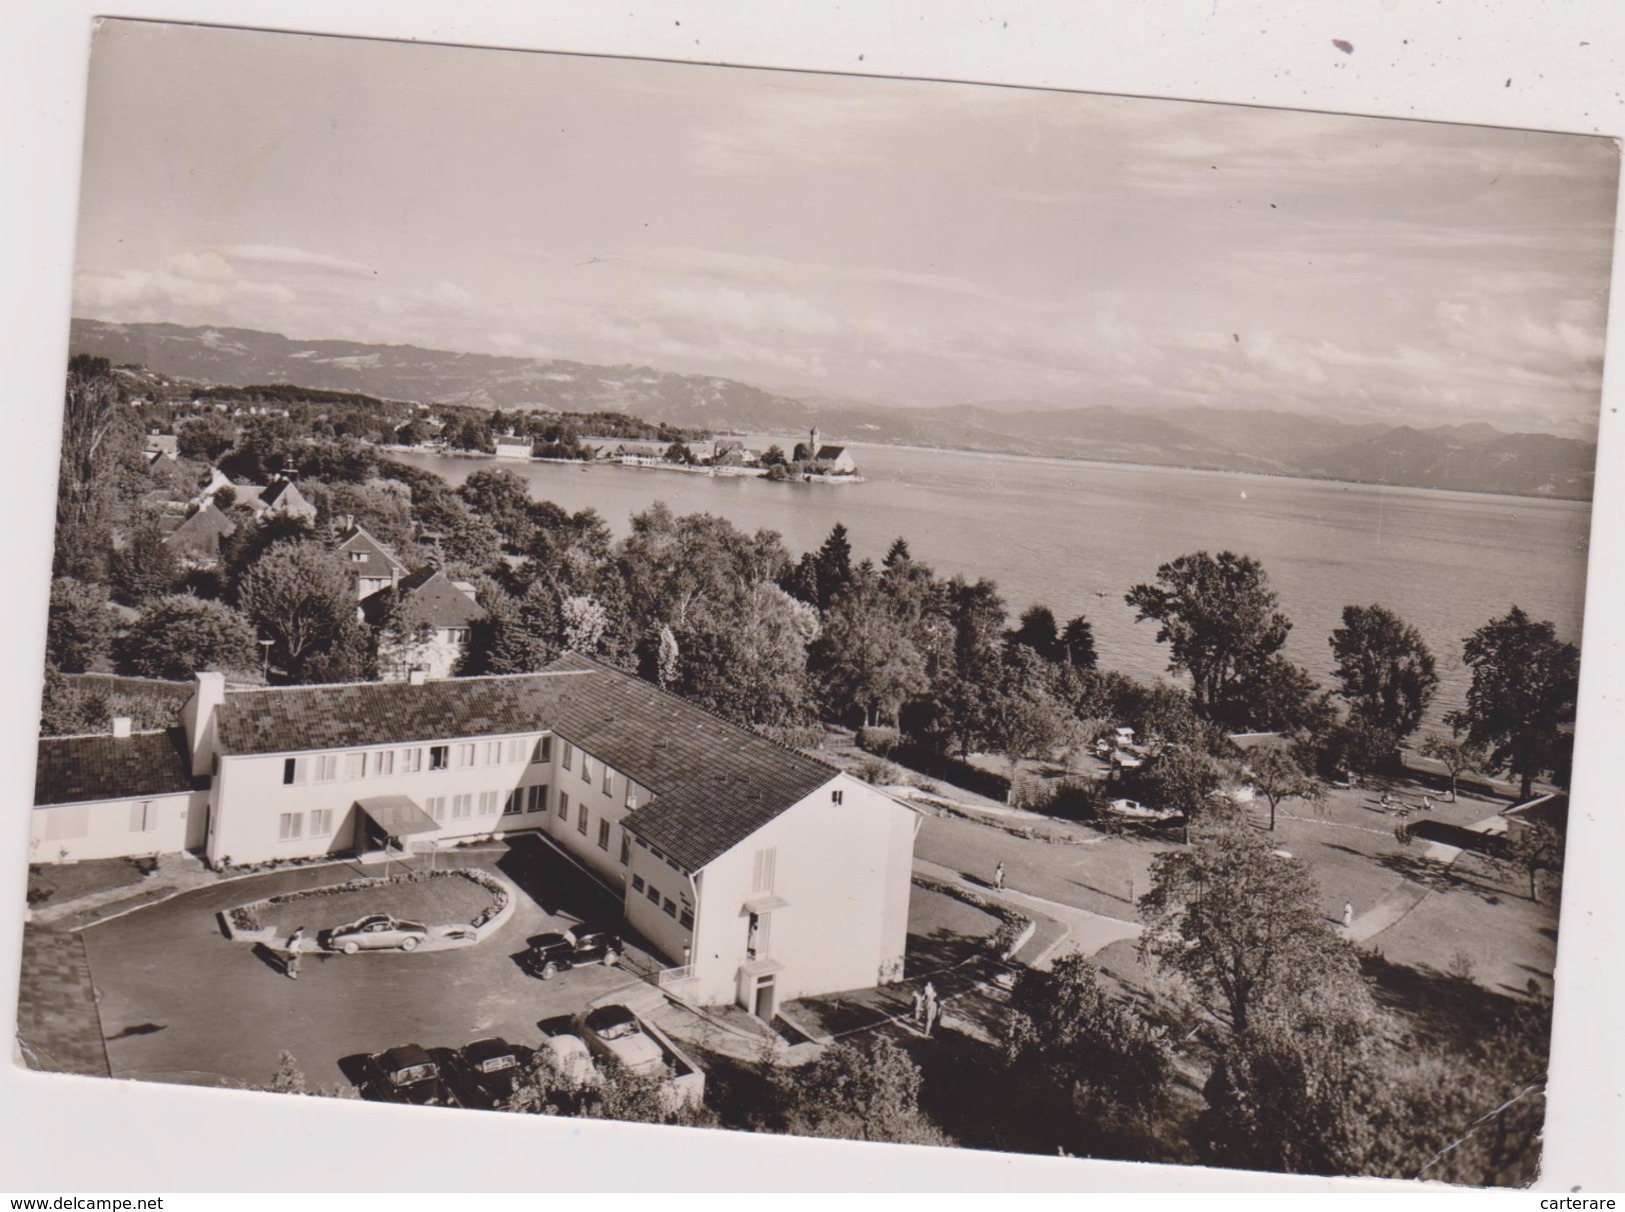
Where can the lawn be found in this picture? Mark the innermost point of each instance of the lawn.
(943, 931)
(58, 882)
(441, 901)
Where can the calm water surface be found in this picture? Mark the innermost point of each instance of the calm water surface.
(1075, 536)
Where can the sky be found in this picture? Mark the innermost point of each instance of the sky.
(903, 242)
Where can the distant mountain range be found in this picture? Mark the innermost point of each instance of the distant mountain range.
(1471, 458)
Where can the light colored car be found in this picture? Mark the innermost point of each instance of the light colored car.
(614, 1032)
(572, 1060)
(1140, 812)
(376, 932)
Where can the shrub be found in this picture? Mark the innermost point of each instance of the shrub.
(880, 741)
(243, 917)
(879, 771)
(1032, 794)
(795, 736)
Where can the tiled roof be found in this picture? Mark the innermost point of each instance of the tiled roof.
(433, 597)
(203, 530)
(380, 560)
(73, 769)
(713, 783)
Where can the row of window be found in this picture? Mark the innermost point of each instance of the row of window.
(291, 825)
(324, 767)
(667, 905)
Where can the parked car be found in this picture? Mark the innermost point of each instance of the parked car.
(1140, 812)
(1122, 759)
(615, 1033)
(551, 954)
(407, 1074)
(376, 932)
(485, 1073)
(572, 1059)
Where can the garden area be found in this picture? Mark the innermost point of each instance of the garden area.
(432, 898)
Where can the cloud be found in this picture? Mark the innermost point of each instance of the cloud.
(296, 258)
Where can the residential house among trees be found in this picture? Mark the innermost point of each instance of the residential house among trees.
(424, 622)
(759, 873)
(372, 565)
(195, 539)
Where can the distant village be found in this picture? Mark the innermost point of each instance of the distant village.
(812, 461)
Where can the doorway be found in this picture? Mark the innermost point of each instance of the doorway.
(765, 1002)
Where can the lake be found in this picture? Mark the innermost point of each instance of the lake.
(1076, 536)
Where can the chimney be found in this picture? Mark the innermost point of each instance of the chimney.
(198, 718)
(121, 725)
(416, 676)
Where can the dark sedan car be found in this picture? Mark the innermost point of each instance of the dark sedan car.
(485, 1073)
(407, 1074)
(551, 954)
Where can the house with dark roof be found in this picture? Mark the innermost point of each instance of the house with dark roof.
(760, 874)
(282, 496)
(424, 621)
(371, 564)
(196, 539)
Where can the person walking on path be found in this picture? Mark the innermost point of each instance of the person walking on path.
(933, 1012)
(929, 1005)
(918, 1012)
(296, 942)
(998, 876)
(1348, 914)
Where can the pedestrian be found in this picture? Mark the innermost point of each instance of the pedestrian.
(998, 876)
(1427, 803)
(1348, 914)
(918, 1011)
(933, 1012)
(296, 942)
(930, 1004)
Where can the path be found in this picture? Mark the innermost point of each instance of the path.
(1386, 912)
(1057, 923)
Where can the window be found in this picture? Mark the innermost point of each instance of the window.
(654, 894)
(516, 750)
(586, 769)
(544, 750)
(383, 762)
(144, 817)
(669, 909)
(631, 795)
(672, 863)
(436, 805)
(488, 802)
(569, 755)
(637, 883)
(465, 755)
(293, 771)
(837, 797)
(762, 878)
(603, 835)
(564, 807)
(538, 798)
(626, 851)
(327, 767)
(581, 819)
(355, 765)
(493, 753)
(609, 781)
(686, 919)
(515, 804)
(411, 761)
(291, 825)
(457, 635)
(439, 757)
(321, 822)
(358, 557)
(462, 806)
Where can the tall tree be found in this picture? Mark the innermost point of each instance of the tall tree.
(1038, 631)
(865, 659)
(178, 636)
(79, 627)
(1218, 616)
(298, 595)
(1185, 780)
(205, 438)
(502, 498)
(100, 454)
(834, 566)
(867, 1090)
(144, 568)
(1386, 671)
(747, 660)
(1240, 922)
(1078, 643)
(1521, 704)
(1533, 848)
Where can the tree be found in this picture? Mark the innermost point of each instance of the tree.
(1276, 775)
(502, 498)
(1185, 780)
(518, 634)
(79, 626)
(1534, 847)
(834, 566)
(177, 636)
(144, 568)
(747, 659)
(1387, 673)
(773, 456)
(1521, 704)
(1064, 1034)
(299, 596)
(1218, 616)
(1078, 643)
(678, 453)
(1025, 720)
(1456, 756)
(100, 462)
(205, 438)
(856, 1091)
(1038, 632)
(865, 660)
(1241, 923)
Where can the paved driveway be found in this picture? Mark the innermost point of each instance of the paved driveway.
(182, 1003)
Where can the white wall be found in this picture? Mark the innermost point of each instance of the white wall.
(103, 829)
(249, 797)
(601, 806)
(845, 870)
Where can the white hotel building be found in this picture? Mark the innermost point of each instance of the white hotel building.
(760, 873)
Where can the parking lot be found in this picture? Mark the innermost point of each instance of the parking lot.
(180, 1002)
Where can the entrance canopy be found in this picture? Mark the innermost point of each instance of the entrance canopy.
(397, 816)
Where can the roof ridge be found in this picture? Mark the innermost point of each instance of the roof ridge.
(453, 681)
(108, 736)
(700, 707)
